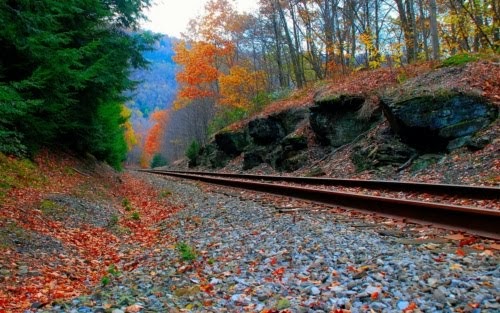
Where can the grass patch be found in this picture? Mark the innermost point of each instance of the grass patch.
(113, 221)
(127, 205)
(165, 193)
(49, 207)
(18, 173)
(135, 216)
(186, 251)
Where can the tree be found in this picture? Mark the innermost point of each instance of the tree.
(153, 141)
(158, 160)
(63, 67)
(240, 86)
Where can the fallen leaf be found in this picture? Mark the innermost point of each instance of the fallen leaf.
(455, 237)
(134, 308)
(495, 246)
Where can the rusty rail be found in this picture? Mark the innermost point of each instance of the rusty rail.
(483, 222)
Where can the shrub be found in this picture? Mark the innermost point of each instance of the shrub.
(126, 204)
(135, 216)
(192, 153)
(158, 160)
(225, 117)
(187, 252)
(459, 59)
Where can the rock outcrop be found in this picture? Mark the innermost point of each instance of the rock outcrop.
(424, 117)
(431, 116)
(336, 119)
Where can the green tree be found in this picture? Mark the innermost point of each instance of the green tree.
(63, 68)
(192, 153)
(158, 160)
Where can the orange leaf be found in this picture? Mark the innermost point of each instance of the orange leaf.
(455, 237)
(412, 306)
(134, 308)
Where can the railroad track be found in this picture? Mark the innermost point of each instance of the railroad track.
(477, 219)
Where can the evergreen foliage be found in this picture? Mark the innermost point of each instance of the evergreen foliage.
(192, 152)
(63, 69)
(158, 160)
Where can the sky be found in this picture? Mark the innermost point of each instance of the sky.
(171, 17)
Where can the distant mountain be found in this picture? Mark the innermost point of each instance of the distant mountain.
(157, 88)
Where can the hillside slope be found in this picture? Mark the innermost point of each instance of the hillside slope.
(441, 125)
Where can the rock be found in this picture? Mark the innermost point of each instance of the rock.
(252, 159)
(315, 172)
(211, 156)
(392, 152)
(288, 156)
(117, 311)
(289, 119)
(403, 304)
(336, 121)
(476, 144)
(265, 131)
(231, 143)
(458, 143)
(315, 291)
(435, 121)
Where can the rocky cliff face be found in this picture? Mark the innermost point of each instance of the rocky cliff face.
(423, 117)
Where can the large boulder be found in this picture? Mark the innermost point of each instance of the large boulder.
(437, 121)
(289, 154)
(336, 119)
(271, 129)
(211, 156)
(231, 143)
(265, 131)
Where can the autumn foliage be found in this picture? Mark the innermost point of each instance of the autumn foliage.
(71, 259)
(154, 137)
(240, 86)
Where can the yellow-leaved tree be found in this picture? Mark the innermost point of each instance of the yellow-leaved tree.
(240, 86)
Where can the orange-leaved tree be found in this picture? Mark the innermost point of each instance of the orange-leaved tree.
(198, 77)
(153, 143)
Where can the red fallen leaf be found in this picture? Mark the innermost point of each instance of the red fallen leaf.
(337, 311)
(439, 259)
(207, 288)
(412, 306)
(460, 252)
(467, 241)
(374, 295)
(273, 261)
(279, 271)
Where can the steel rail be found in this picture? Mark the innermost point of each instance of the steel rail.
(482, 222)
(476, 192)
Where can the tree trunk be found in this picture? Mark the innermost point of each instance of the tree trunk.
(434, 30)
(291, 47)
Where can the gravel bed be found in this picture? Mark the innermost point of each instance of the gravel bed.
(249, 258)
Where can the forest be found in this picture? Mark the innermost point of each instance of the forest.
(232, 64)
(64, 67)
(69, 70)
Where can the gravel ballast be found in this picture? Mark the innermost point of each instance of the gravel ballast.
(223, 253)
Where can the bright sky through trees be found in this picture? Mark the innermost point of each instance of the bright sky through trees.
(172, 16)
